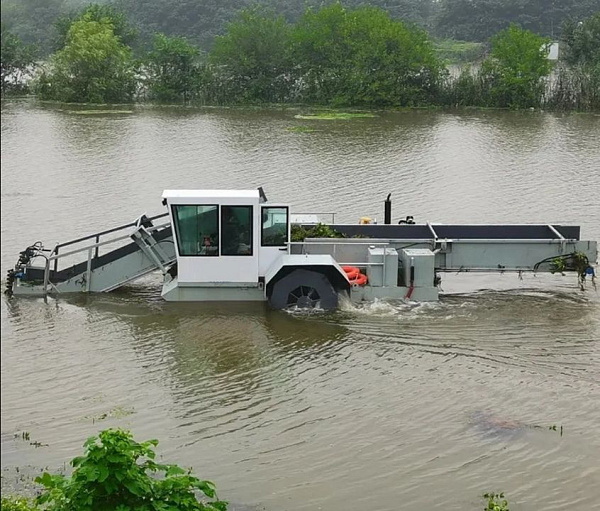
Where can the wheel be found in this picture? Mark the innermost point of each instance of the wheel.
(304, 289)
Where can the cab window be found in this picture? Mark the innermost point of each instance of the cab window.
(197, 230)
(236, 230)
(274, 231)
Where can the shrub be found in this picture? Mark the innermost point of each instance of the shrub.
(117, 473)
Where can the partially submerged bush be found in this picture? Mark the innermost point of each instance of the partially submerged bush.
(117, 473)
(17, 504)
(495, 502)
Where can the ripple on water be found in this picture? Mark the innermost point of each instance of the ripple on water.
(428, 405)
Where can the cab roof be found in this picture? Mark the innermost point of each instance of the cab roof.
(211, 194)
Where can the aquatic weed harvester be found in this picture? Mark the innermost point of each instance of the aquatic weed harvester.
(235, 245)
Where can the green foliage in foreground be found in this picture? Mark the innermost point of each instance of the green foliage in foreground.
(116, 473)
(17, 504)
(495, 502)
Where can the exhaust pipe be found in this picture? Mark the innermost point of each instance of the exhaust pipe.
(387, 211)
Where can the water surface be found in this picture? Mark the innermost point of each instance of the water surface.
(382, 406)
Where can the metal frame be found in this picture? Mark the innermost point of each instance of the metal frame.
(92, 250)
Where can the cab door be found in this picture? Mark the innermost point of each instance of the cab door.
(274, 235)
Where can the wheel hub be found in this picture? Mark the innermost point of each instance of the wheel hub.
(304, 297)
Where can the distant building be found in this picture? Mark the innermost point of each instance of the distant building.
(553, 53)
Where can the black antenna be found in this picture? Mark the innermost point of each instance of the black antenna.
(261, 192)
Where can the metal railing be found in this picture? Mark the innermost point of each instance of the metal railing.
(96, 237)
(316, 214)
(93, 249)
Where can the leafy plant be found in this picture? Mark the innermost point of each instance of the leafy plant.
(577, 262)
(17, 504)
(118, 473)
(558, 265)
(495, 502)
(300, 233)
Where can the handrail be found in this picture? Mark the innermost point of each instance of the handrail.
(100, 244)
(55, 256)
(102, 233)
(313, 213)
(382, 243)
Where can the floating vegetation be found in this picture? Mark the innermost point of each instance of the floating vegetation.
(26, 437)
(495, 502)
(301, 129)
(334, 116)
(118, 412)
(576, 261)
(37, 444)
(99, 112)
(555, 428)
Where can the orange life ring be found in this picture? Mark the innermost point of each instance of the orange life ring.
(352, 272)
(354, 275)
(361, 280)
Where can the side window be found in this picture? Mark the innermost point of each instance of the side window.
(197, 230)
(236, 230)
(274, 227)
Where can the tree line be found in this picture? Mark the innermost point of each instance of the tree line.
(333, 55)
(200, 21)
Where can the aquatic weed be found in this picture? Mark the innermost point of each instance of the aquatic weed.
(116, 472)
(495, 502)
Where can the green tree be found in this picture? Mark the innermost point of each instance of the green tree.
(582, 41)
(363, 57)
(94, 66)
(95, 12)
(173, 69)
(251, 60)
(478, 20)
(16, 61)
(116, 473)
(578, 82)
(517, 67)
(32, 20)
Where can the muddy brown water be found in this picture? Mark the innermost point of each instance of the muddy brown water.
(386, 406)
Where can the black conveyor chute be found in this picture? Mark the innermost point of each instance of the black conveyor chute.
(35, 274)
(455, 232)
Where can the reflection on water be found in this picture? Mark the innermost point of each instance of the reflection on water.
(373, 405)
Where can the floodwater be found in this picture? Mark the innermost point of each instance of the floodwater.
(387, 406)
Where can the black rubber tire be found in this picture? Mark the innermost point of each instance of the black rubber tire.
(304, 289)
